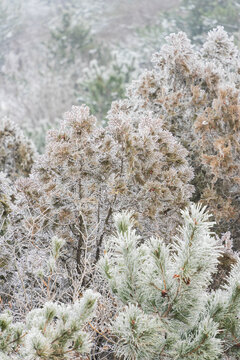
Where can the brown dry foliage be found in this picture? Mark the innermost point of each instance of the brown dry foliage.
(197, 94)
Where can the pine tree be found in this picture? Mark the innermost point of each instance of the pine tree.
(54, 332)
(168, 310)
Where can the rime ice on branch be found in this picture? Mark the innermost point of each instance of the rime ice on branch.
(56, 331)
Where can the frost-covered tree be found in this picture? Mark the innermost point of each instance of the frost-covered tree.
(168, 311)
(196, 93)
(56, 331)
(88, 173)
(85, 176)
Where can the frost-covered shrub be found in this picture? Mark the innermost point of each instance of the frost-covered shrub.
(88, 173)
(168, 311)
(196, 93)
(56, 331)
(16, 151)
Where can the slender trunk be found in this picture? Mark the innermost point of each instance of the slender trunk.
(99, 244)
(80, 244)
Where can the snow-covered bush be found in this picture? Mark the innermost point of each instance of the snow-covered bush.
(88, 173)
(168, 311)
(197, 94)
(56, 331)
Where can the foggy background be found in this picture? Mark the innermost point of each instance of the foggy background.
(59, 53)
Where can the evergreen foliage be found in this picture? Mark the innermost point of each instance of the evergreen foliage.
(53, 332)
(198, 17)
(69, 38)
(105, 81)
(168, 311)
